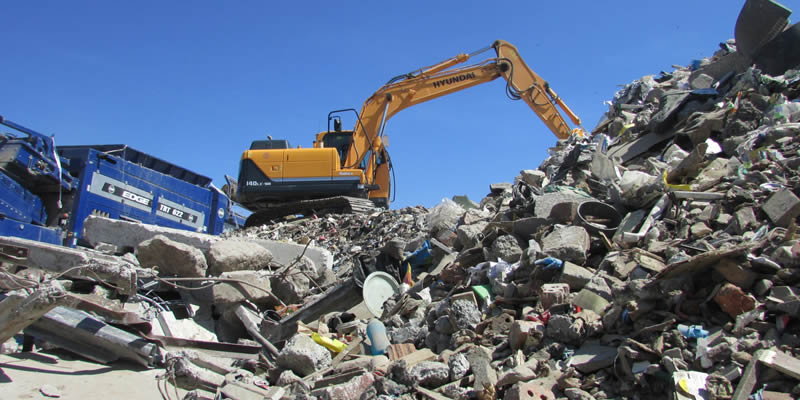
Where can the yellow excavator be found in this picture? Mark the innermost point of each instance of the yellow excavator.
(350, 171)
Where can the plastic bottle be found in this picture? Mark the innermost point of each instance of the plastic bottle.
(692, 331)
(376, 333)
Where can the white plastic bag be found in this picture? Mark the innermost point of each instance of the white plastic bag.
(444, 216)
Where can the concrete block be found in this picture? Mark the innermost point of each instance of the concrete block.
(171, 258)
(303, 356)
(533, 390)
(560, 201)
(533, 177)
(506, 248)
(470, 236)
(563, 328)
(498, 188)
(745, 218)
(520, 373)
(782, 208)
(431, 374)
(592, 357)
(236, 255)
(459, 366)
(257, 289)
(575, 276)
(286, 253)
(568, 243)
(352, 389)
(525, 333)
(553, 293)
(700, 230)
(701, 81)
(591, 301)
(600, 287)
(464, 314)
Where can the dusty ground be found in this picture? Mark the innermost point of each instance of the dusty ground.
(23, 374)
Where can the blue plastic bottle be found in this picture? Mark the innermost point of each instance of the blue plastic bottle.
(376, 333)
(692, 331)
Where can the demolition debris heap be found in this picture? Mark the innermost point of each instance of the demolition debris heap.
(657, 258)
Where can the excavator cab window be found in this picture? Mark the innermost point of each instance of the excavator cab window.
(340, 140)
(270, 144)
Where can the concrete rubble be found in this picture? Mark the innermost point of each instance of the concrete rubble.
(657, 258)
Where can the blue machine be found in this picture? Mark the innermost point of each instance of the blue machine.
(48, 191)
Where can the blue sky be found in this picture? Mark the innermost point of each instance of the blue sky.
(195, 82)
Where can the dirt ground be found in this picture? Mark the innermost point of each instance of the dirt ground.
(23, 374)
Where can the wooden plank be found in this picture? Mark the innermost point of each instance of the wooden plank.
(419, 356)
(400, 350)
(349, 349)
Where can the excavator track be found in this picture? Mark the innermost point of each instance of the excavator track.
(330, 205)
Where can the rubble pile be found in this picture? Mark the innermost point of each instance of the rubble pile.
(657, 258)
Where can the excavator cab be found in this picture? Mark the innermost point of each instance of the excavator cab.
(340, 140)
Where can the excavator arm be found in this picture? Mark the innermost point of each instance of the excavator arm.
(445, 78)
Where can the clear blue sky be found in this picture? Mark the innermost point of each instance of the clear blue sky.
(195, 82)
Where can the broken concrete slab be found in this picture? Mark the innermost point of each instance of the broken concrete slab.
(532, 390)
(506, 248)
(72, 263)
(569, 243)
(430, 374)
(524, 334)
(171, 258)
(592, 357)
(558, 206)
(303, 356)
(480, 363)
(235, 287)
(284, 253)
(470, 236)
(575, 276)
(129, 234)
(533, 177)
(20, 308)
(350, 389)
(236, 255)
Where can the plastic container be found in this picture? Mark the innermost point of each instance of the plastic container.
(333, 345)
(376, 333)
(596, 216)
